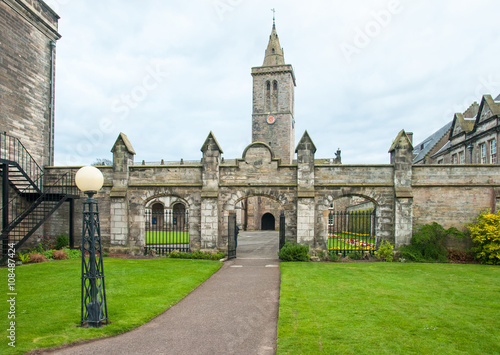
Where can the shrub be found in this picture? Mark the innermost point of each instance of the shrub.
(48, 254)
(74, 254)
(46, 242)
(174, 254)
(460, 256)
(333, 255)
(37, 258)
(355, 255)
(37, 249)
(196, 255)
(321, 255)
(384, 251)
(24, 258)
(428, 243)
(62, 241)
(59, 254)
(294, 252)
(485, 233)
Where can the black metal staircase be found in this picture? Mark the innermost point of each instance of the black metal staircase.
(26, 202)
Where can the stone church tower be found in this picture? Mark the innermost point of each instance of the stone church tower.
(273, 121)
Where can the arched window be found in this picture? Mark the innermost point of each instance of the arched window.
(268, 97)
(275, 96)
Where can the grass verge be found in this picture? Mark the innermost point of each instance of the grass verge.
(48, 298)
(389, 308)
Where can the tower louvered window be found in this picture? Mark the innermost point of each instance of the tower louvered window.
(268, 96)
(275, 96)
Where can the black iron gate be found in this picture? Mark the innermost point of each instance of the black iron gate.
(166, 231)
(352, 231)
(231, 236)
(282, 229)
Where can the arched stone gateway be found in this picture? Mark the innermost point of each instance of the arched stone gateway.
(304, 191)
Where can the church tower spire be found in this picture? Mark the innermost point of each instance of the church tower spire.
(273, 119)
(274, 52)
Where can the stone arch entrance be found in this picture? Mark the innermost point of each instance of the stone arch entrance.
(347, 200)
(238, 199)
(268, 222)
(168, 214)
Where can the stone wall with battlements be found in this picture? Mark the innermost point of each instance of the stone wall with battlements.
(404, 196)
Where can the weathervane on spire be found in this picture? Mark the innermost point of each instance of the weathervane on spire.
(274, 16)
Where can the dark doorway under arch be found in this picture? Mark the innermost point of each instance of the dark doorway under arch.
(268, 222)
(157, 215)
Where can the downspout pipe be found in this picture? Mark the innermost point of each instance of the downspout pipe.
(52, 101)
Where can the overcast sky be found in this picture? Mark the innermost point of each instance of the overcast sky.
(166, 73)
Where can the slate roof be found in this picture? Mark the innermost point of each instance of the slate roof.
(443, 148)
(424, 147)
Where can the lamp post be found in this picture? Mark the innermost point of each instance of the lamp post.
(94, 310)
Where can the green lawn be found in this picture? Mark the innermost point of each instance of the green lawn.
(48, 298)
(153, 237)
(389, 308)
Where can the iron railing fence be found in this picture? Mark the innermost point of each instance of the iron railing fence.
(166, 231)
(352, 231)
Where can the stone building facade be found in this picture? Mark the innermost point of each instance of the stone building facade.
(28, 32)
(470, 138)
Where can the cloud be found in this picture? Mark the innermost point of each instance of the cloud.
(414, 69)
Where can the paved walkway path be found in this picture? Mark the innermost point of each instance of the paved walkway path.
(233, 312)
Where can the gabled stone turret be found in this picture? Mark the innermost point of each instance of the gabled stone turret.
(210, 192)
(211, 162)
(305, 162)
(123, 157)
(305, 190)
(401, 158)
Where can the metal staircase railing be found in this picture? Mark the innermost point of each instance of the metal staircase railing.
(32, 204)
(27, 215)
(24, 172)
